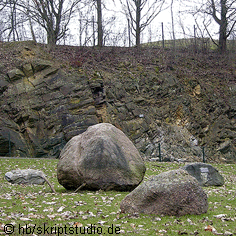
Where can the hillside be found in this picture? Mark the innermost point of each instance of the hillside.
(183, 101)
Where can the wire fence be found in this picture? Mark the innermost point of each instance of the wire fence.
(191, 41)
(160, 157)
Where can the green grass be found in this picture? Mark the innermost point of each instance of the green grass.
(36, 208)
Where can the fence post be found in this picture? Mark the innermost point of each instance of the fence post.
(163, 37)
(195, 38)
(159, 147)
(94, 39)
(9, 143)
(129, 33)
(203, 155)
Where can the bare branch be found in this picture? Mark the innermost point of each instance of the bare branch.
(140, 14)
(214, 12)
(210, 36)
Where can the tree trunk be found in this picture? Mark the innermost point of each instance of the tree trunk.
(100, 30)
(172, 22)
(129, 32)
(32, 30)
(51, 38)
(223, 27)
(13, 29)
(138, 18)
(51, 33)
(222, 39)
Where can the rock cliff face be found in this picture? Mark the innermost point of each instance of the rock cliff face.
(42, 107)
(49, 97)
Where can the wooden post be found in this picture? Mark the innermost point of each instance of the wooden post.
(129, 32)
(93, 31)
(9, 143)
(163, 37)
(159, 147)
(195, 38)
(203, 155)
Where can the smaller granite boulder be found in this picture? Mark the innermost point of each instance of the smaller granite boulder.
(173, 193)
(205, 174)
(26, 176)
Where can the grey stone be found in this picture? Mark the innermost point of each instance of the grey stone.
(100, 158)
(11, 142)
(232, 102)
(205, 174)
(176, 143)
(224, 147)
(3, 84)
(228, 150)
(28, 70)
(170, 193)
(40, 64)
(26, 176)
(15, 74)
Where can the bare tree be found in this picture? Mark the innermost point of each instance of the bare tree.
(2, 5)
(141, 13)
(53, 15)
(12, 20)
(172, 22)
(99, 22)
(224, 14)
(85, 22)
(30, 23)
(2, 13)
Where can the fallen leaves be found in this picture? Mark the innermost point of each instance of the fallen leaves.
(25, 219)
(24, 205)
(227, 233)
(60, 209)
(215, 232)
(210, 228)
(223, 217)
(77, 224)
(48, 203)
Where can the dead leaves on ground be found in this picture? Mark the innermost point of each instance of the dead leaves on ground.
(37, 205)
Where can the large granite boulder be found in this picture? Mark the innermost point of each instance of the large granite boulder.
(100, 158)
(170, 193)
(205, 174)
(26, 176)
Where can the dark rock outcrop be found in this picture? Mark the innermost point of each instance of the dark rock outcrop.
(173, 193)
(42, 107)
(102, 158)
(48, 97)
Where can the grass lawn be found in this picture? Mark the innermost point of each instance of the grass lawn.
(35, 210)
